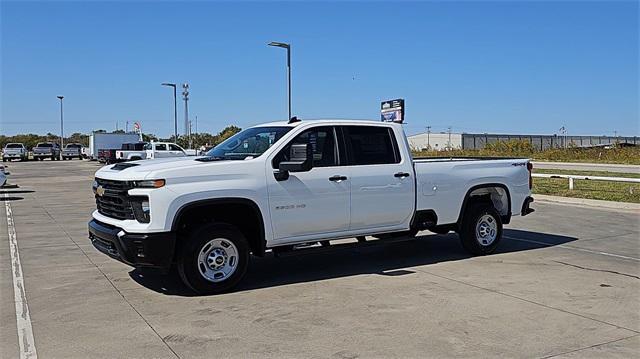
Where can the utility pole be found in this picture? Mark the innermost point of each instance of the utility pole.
(197, 124)
(61, 127)
(449, 142)
(428, 135)
(185, 97)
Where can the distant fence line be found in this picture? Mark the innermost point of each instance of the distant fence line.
(471, 141)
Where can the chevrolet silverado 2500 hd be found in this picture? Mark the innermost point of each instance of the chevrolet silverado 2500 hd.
(282, 184)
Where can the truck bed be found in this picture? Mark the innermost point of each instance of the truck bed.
(442, 183)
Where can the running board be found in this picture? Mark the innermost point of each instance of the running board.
(316, 249)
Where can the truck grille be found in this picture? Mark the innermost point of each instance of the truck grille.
(114, 202)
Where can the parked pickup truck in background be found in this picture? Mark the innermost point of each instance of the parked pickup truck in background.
(46, 150)
(71, 151)
(131, 152)
(150, 150)
(280, 185)
(14, 151)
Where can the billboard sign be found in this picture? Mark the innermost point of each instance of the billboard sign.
(392, 111)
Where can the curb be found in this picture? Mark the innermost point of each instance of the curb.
(634, 207)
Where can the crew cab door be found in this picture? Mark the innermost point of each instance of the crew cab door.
(160, 150)
(315, 203)
(382, 183)
(176, 151)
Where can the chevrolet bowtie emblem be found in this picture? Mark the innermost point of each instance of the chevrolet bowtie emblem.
(100, 191)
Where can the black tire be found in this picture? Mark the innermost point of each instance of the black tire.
(4, 160)
(471, 240)
(361, 239)
(188, 263)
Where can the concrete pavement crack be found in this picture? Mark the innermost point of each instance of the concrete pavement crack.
(598, 270)
(589, 347)
(526, 300)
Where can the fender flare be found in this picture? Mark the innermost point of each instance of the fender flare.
(506, 218)
(261, 243)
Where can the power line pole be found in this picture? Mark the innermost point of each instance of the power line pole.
(428, 135)
(449, 143)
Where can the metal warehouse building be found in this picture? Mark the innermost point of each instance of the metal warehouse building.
(441, 141)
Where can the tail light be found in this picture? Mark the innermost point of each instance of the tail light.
(530, 168)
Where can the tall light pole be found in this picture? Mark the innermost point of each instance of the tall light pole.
(185, 97)
(175, 109)
(288, 47)
(61, 127)
(428, 134)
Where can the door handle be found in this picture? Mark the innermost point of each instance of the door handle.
(401, 174)
(337, 178)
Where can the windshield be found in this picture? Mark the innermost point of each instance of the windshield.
(13, 145)
(44, 145)
(251, 142)
(73, 145)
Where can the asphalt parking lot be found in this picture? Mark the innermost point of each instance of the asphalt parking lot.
(565, 282)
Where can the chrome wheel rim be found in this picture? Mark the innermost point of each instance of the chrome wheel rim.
(217, 260)
(486, 230)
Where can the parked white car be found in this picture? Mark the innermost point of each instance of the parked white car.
(282, 184)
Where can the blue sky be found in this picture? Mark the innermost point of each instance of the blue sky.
(506, 67)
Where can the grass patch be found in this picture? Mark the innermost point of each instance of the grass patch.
(604, 190)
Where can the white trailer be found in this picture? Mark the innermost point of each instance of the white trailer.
(108, 141)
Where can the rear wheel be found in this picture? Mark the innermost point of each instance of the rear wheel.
(481, 229)
(214, 259)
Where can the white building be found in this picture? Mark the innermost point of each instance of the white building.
(435, 141)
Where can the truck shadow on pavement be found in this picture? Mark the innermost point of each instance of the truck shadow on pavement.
(385, 258)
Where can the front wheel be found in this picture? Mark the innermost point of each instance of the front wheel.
(214, 259)
(481, 229)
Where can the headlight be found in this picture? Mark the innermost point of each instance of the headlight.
(141, 209)
(149, 183)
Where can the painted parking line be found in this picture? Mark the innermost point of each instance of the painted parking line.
(23, 319)
(574, 248)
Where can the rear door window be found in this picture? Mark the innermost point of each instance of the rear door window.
(173, 147)
(370, 145)
(161, 147)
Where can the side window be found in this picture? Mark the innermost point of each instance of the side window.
(173, 147)
(371, 145)
(161, 147)
(323, 145)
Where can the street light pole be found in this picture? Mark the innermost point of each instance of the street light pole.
(288, 47)
(187, 125)
(175, 110)
(61, 127)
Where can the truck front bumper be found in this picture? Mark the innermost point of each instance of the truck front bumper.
(152, 250)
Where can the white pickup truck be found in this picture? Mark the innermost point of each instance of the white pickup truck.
(151, 150)
(281, 185)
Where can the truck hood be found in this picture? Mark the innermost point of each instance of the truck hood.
(165, 167)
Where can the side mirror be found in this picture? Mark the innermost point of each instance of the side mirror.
(300, 160)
